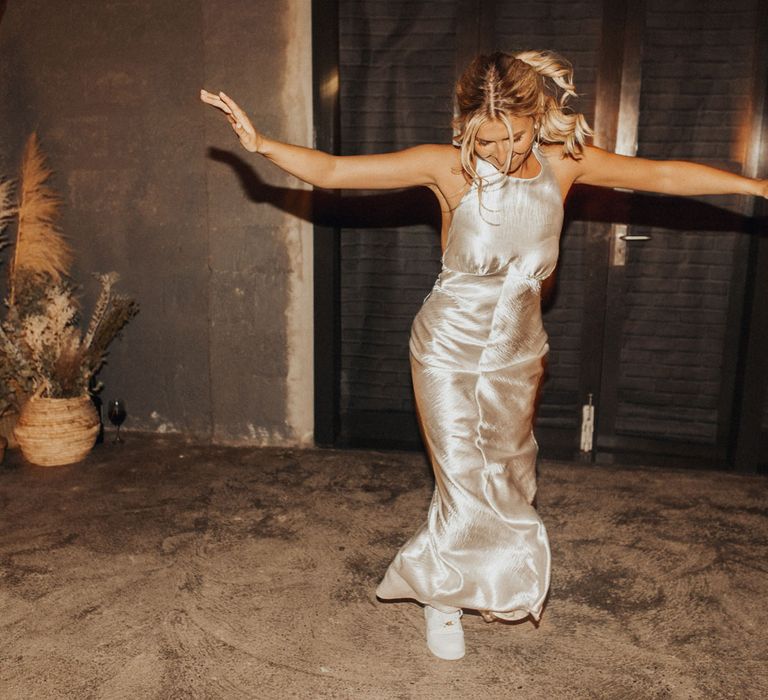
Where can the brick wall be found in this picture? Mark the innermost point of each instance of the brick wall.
(573, 30)
(397, 63)
(764, 423)
(397, 72)
(695, 96)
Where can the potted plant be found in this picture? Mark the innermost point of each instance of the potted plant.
(47, 362)
(8, 404)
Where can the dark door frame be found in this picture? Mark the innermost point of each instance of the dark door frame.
(326, 238)
(749, 443)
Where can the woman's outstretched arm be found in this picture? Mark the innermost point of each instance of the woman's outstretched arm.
(599, 167)
(408, 168)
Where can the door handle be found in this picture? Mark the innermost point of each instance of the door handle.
(619, 243)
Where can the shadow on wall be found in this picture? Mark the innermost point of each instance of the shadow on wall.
(418, 206)
(410, 207)
(602, 205)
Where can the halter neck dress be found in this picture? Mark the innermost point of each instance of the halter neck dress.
(477, 348)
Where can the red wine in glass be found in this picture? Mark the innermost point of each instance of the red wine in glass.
(116, 414)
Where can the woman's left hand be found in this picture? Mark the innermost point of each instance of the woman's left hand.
(250, 139)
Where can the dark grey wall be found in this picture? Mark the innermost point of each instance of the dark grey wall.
(112, 89)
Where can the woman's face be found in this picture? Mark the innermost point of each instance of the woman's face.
(492, 142)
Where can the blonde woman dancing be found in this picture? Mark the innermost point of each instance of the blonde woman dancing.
(477, 344)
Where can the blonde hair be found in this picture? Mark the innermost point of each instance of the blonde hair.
(536, 84)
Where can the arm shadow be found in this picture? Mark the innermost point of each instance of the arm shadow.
(418, 206)
(606, 206)
(410, 207)
(603, 205)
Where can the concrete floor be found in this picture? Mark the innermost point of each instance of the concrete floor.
(161, 569)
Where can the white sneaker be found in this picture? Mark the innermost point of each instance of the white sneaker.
(445, 637)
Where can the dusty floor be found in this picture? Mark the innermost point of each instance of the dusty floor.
(159, 569)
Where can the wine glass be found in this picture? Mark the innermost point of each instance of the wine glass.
(116, 414)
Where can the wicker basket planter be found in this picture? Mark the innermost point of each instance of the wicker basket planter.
(53, 432)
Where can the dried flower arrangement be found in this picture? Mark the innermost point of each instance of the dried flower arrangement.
(42, 349)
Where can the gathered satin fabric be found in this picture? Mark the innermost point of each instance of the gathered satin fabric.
(477, 348)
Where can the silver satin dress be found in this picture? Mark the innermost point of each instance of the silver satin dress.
(477, 347)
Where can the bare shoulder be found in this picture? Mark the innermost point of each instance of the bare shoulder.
(442, 160)
(566, 168)
(437, 155)
(592, 158)
(450, 178)
(441, 164)
(559, 160)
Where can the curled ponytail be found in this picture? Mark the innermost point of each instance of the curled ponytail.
(558, 124)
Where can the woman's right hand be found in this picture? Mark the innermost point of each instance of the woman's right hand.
(250, 139)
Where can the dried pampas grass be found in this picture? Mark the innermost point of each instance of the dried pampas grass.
(49, 344)
(42, 351)
(106, 282)
(41, 250)
(111, 313)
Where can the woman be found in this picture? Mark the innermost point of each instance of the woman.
(477, 344)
